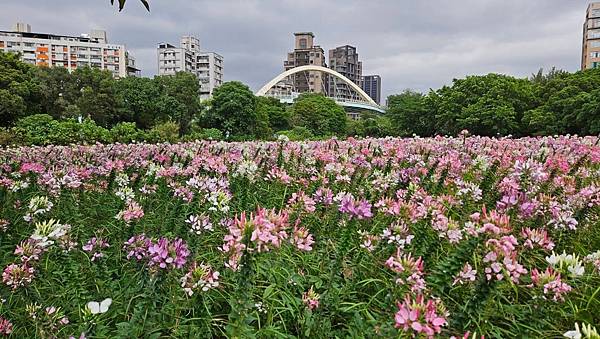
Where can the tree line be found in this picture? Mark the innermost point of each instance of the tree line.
(556, 102)
(163, 108)
(90, 105)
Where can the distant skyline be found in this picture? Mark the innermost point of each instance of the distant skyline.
(411, 44)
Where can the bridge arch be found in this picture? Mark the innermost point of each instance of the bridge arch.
(263, 91)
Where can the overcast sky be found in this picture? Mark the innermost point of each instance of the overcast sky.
(416, 44)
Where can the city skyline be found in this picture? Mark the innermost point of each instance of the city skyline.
(411, 45)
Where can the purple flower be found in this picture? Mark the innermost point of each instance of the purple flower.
(137, 246)
(165, 253)
(94, 247)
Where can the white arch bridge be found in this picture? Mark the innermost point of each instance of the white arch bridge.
(365, 102)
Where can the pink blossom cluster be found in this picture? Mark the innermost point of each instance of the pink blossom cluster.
(502, 261)
(410, 270)
(261, 232)
(49, 320)
(369, 241)
(30, 250)
(133, 212)
(6, 327)
(168, 254)
(162, 253)
(466, 275)
(278, 174)
(94, 248)
(537, 238)
(200, 277)
(303, 201)
(360, 209)
(137, 246)
(323, 196)
(302, 239)
(16, 276)
(311, 298)
(420, 316)
(594, 259)
(551, 281)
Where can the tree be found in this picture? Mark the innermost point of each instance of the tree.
(93, 91)
(53, 83)
(278, 115)
(233, 110)
(410, 113)
(19, 92)
(541, 78)
(179, 98)
(322, 116)
(138, 101)
(485, 105)
(566, 104)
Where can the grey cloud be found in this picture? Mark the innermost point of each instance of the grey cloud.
(411, 44)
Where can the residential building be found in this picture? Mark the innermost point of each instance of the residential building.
(371, 84)
(590, 56)
(188, 57)
(70, 52)
(344, 60)
(132, 69)
(306, 53)
(210, 72)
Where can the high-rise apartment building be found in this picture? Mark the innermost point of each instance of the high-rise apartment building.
(306, 53)
(371, 84)
(590, 56)
(71, 52)
(344, 60)
(206, 66)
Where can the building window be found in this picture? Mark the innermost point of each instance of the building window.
(302, 43)
(594, 34)
(595, 55)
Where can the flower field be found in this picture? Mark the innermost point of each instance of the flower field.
(386, 238)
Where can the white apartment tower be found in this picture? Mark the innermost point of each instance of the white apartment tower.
(206, 66)
(71, 52)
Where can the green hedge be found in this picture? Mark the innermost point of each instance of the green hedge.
(42, 129)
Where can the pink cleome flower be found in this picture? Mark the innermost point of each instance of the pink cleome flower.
(311, 299)
(420, 316)
(550, 280)
(168, 254)
(94, 247)
(16, 276)
(6, 327)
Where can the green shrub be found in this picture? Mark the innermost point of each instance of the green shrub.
(125, 132)
(71, 131)
(211, 134)
(166, 131)
(297, 133)
(35, 129)
(7, 137)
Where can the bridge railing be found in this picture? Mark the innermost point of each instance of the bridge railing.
(346, 100)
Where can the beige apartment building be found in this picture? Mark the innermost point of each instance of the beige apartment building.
(206, 66)
(71, 52)
(306, 53)
(590, 56)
